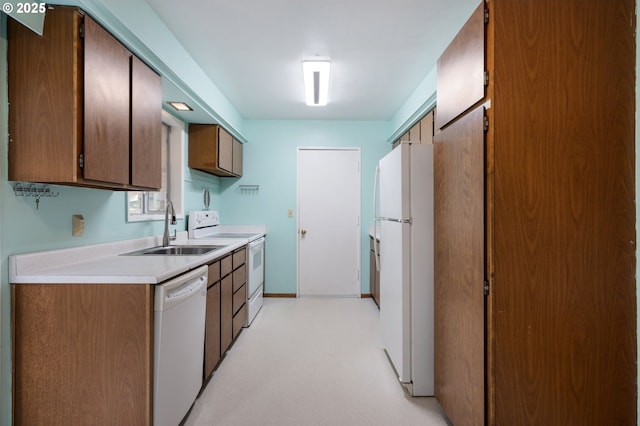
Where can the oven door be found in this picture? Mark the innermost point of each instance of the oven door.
(256, 265)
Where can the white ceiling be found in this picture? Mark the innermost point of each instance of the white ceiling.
(253, 50)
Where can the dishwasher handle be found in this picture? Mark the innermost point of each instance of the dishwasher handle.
(184, 291)
(177, 290)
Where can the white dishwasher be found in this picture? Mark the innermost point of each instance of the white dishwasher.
(179, 307)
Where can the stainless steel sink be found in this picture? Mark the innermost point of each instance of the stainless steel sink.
(175, 250)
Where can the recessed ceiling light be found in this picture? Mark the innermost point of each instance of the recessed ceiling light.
(180, 106)
(316, 81)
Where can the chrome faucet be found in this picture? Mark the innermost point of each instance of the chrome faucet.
(166, 237)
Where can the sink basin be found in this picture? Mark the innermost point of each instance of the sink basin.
(175, 250)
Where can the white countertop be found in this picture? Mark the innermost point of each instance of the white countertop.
(105, 264)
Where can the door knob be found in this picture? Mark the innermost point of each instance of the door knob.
(303, 232)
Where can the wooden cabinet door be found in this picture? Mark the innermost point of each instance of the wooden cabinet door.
(226, 313)
(203, 147)
(45, 102)
(225, 150)
(459, 269)
(82, 354)
(237, 157)
(106, 106)
(564, 244)
(461, 69)
(212, 330)
(146, 126)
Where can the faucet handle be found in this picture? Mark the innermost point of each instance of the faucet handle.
(174, 236)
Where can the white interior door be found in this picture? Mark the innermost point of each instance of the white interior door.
(328, 222)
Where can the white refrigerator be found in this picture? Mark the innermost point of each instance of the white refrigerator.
(406, 263)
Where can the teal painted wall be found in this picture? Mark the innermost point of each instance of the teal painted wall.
(270, 161)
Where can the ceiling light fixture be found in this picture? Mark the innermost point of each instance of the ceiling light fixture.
(180, 106)
(316, 81)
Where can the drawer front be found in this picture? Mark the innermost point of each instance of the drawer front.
(239, 320)
(226, 265)
(239, 298)
(214, 272)
(239, 277)
(239, 258)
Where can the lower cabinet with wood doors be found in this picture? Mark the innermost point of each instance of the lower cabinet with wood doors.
(212, 354)
(226, 306)
(82, 354)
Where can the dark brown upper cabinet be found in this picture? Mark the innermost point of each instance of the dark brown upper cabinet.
(213, 150)
(82, 109)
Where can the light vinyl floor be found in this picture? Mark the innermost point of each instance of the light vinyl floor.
(310, 361)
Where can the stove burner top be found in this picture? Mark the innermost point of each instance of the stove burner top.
(206, 224)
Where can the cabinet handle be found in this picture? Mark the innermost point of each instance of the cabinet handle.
(303, 232)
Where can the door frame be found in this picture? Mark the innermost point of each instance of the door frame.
(299, 149)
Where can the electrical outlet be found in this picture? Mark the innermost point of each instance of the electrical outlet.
(77, 222)
(290, 213)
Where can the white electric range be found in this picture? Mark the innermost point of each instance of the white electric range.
(205, 225)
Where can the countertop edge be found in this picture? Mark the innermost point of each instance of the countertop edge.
(94, 264)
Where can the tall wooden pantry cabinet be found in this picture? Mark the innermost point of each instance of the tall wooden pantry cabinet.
(535, 216)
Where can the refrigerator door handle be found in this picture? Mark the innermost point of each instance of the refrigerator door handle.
(391, 219)
(376, 242)
(376, 219)
(376, 178)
